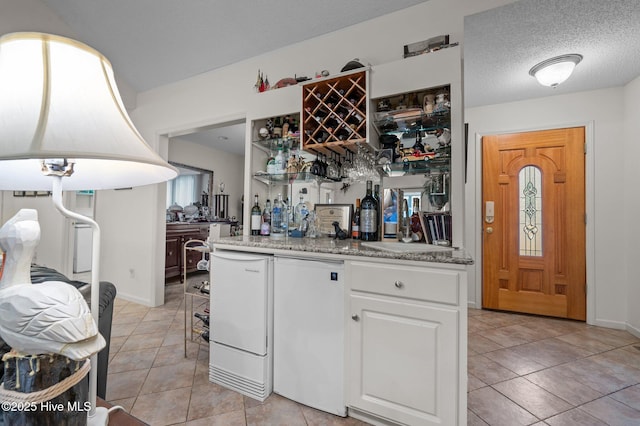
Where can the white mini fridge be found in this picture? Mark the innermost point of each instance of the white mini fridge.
(241, 355)
(309, 338)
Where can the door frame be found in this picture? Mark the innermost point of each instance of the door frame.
(161, 140)
(589, 205)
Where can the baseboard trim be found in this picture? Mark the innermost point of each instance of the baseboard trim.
(618, 325)
(633, 330)
(134, 299)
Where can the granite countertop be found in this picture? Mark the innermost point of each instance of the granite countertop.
(347, 248)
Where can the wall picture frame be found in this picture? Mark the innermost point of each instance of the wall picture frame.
(326, 214)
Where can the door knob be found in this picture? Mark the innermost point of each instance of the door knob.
(489, 230)
(355, 317)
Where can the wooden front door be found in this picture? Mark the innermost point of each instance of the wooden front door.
(533, 193)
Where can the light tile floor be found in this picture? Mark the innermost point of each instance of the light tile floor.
(522, 370)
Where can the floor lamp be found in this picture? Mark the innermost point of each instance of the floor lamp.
(63, 127)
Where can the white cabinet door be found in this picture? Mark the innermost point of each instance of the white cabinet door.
(239, 304)
(403, 360)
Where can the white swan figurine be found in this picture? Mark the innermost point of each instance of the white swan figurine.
(50, 317)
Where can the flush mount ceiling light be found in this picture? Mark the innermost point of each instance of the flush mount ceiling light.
(555, 70)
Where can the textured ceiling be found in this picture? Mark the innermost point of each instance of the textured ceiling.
(502, 44)
(155, 42)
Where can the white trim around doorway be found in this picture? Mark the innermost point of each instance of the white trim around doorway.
(590, 210)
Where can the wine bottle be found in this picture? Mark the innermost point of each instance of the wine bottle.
(331, 124)
(321, 114)
(331, 101)
(203, 318)
(416, 227)
(355, 223)
(256, 217)
(205, 335)
(354, 118)
(342, 133)
(369, 216)
(376, 196)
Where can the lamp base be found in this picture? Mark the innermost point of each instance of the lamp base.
(100, 417)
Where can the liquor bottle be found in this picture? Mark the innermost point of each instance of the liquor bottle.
(301, 211)
(265, 227)
(355, 223)
(369, 216)
(279, 162)
(203, 318)
(256, 217)
(276, 217)
(416, 227)
(287, 215)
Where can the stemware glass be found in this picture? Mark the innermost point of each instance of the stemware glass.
(332, 168)
(438, 193)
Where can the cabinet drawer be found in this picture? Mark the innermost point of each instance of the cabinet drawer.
(412, 282)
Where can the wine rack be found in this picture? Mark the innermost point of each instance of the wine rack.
(334, 113)
(194, 298)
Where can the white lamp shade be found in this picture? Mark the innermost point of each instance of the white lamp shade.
(59, 99)
(556, 70)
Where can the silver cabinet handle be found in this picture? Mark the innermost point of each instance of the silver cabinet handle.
(355, 317)
(398, 284)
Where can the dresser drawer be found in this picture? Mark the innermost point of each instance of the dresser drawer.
(428, 284)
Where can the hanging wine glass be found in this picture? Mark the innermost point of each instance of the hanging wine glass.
(332, 168)
(323, 164)
(438, 191)
(347, 169)
(316, 166)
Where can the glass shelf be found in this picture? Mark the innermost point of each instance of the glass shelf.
(268, 145)
(411, 120)
(425, 166)
(286, 178)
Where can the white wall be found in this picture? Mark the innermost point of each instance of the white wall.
(228, 92)
(607, 273)
(631, 206)
(227, 168)
(54, 228)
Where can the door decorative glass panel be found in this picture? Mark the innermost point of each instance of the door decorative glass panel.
(530, 190)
